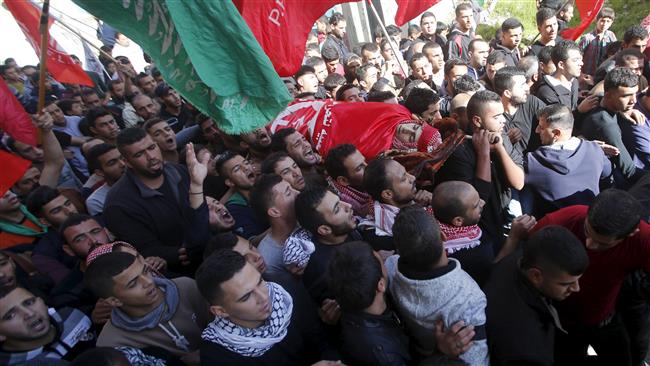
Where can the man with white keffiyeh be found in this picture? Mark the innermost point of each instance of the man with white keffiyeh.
(255, 321)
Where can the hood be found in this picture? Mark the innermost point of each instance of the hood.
(561, 161)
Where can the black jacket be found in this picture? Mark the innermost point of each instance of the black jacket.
(512, 56)
(520, 327)
(368, 339)
(558, 94)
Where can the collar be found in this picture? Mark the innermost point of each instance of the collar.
(570, 144)
(171, 176)
(430, 274)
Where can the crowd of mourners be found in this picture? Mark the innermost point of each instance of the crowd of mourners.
(144, 235)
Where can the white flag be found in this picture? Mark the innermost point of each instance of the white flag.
(92, 62)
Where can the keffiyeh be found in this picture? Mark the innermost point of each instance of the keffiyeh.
(461, 237)
(254, 342)
(298, 248)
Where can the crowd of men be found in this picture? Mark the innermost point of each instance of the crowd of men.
(143, 234)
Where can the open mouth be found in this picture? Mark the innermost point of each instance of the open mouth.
(225, 216)
(251, 175)
(38, 325)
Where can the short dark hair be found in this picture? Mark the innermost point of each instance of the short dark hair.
(216, 269)
(99, 274)
(621, 76)
(129, 136)
(614, 213)
(40, 197)
(306, 203)
(417, 238)
(94, 113)
(148, 124)
(343, 89)
(304, 69)
(269, 163)
(560, 51)
(504, 78)
(330, 54)
(451, 63)
(6, 290)
(332, 81)
(529, 65)
(74, 220)
(95, 152)
(463, 6)
(370, 47)
(606, 12)
(416, 57)
(226, 240)
(557, 115)
(111, 84)
(380, 96)
(334, 160)
(66, 105)
(314, 61)
(544, 54)
(353, 274)
(427, 14)
(427, 46)
(85, 92)
(262, 194)
(466, 84)
(544, 14)
(479, 100)
(393, 30)
(222, 159)
(555, 248)
(511, 23)
(495, 58)
(278, 140)
(375, 180)
(140, 77)
(363, 70)
(419, 100)
(628, 54)
(336, 18)
(635, 31)
(413, 28)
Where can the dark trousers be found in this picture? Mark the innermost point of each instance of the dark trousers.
(610, 341)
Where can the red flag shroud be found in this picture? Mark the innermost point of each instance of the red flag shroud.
(281, 27)
(370, 127)
(588, 10)
(13, 168)
(13, 119)
(59, 64)
(409, 9)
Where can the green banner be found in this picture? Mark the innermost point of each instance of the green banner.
(205, 50)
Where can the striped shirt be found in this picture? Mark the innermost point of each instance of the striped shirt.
(593, 49)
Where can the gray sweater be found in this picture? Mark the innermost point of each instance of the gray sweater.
(453, 296)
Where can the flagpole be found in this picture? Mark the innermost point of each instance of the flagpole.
(390, 41)
(43, 56)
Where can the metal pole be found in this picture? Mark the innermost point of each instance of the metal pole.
(390, 42)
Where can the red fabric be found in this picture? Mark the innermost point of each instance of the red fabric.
(13, 118)
(588, 10)
(12, 167)
(409, 9)
(59, 64)
(281, 27)
(600, 284)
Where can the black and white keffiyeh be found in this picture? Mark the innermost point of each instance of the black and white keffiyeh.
(254, 342)
(298, 248)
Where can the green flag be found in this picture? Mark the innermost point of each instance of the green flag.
(205, 50)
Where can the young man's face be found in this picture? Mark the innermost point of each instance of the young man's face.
(474, 207)
(163, 135)
(603, 24)
(512, 37)
(300, 150)
(436, 59)
(638, 43)
(9, 202)
(432, 113)
(239, 173)
(621, 99)
(23, 318)
(545, 132)
(428, 26)
(352, 95)
(573, 64)
(172, 99)
(548, 29)
(338, 215)
(338, 29)
(558, 285)
(245, 298)
(421, 69)
(219, 216)
(135, 287)
(147, 84)
(58, 210)
(117, 90)
(464, 20)
(144, 157)
(308, 83)
(258, 139)
(284, 197)
(105, 128)
(250, 252)
(83, 236)
(209, 131)
(57, 114)
(290, 172)
(492, 118)
(455, 72)
(355, 166)
(478, 56)
(374, 58)
(401, 182)
(321, 72)
(112, 165)
(28, 182)
(520, 90)
(92, 101)
(408, 133)
(7, 271)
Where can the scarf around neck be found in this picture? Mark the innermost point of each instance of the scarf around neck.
(460, 237)
(298, 248)
(163, 313)
(360, 201)
(18, 229)
(257, 341)
(384, 215)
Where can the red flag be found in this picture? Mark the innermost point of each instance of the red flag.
(13, 118)
(59, 63)
(13, 168)
(409, 9)
(588, 10)
(281, 27)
